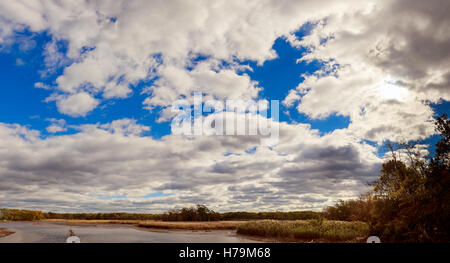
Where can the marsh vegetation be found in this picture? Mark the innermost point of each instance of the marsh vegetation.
(307, 230)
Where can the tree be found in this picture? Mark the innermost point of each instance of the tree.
(410, 200)
(437, 200)
(414, 196)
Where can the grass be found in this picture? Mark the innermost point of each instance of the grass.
(307, 230)
(213, 225)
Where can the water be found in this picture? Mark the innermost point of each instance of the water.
(44, 232)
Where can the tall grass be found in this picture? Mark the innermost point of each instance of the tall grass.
(213, 225)
(317, 230)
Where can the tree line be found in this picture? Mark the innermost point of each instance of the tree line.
(32, 215)
(195, 213)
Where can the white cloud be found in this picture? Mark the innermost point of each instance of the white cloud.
(20, 62)
(387, 61)
(121, 50)
(76, 105)
(72, 172)
(207, 77)
(125, 127)
(56, 125)
(53, 58)
(382, 61)
(41, 85)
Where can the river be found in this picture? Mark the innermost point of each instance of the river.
(44, 232)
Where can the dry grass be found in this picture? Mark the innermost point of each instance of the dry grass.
(307, 230)
(5, 232)
(213, 225)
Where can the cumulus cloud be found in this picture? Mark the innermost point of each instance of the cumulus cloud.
(365, 46)
(70, 172)
(383, 62)
(78, 104)
(7, 32)
(113, 44)
(207, 77)
(56, 125)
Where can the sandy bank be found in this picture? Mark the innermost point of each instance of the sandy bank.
(5, 232)
(213, 225)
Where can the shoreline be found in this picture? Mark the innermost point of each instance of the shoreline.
(5, 232)
(253, 233)
(153, 224)
(169, 226)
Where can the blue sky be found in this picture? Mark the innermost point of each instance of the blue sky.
(95, 80)
(24, 104)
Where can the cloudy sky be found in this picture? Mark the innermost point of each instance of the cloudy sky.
(87, 88)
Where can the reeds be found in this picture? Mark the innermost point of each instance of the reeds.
(306, 230)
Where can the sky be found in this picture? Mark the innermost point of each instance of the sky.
(87, 89)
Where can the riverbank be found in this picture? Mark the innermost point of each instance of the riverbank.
(48, 232)
(259, 230)
(212, 225)
(5, 232)
(268, 230)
